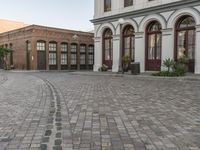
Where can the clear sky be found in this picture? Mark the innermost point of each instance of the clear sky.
(70, 14)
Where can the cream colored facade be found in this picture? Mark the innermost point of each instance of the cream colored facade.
(166, 12)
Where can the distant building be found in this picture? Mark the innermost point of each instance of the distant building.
(45, 48)
(148, 31)
(8, 25)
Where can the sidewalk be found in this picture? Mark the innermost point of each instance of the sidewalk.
(189, 76)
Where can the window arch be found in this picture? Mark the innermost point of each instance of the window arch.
(185, 40)
(108, 48)
(129, 42)
(153, 46)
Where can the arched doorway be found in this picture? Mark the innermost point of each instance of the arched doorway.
(108, 48)
(185, 40)
(153, 46)
(129, 42)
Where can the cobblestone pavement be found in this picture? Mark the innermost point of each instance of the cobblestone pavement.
(64, 111)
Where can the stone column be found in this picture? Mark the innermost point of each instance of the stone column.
(167, 46)
(197, 51)
(97, 53)
(140, 50)
(116, 53)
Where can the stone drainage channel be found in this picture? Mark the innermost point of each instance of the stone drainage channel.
(52, 139)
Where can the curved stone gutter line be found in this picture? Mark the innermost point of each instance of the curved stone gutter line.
(58, 133)
(52, 139)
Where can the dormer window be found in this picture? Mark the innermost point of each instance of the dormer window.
(128, 3)
(107, 5)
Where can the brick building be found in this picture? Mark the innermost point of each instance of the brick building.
(46, 48)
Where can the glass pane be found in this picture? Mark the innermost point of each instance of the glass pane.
(158, 52)
(133, 48)
(91, 61)
(82, 59)
(128, 3)
(187, 22)
(52, 58)
(52, 47)
(191, 44)
(40, 46)
(73, 59)
(151, 46)
(181, 47)
(91, 49)
(82, 49)
(181, 38)
(63, 47)
(107, 5)
(107, 55)
(73, 48)
(63, 59)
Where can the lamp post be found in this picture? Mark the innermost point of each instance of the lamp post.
(121, 22)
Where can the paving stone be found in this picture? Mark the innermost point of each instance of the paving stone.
(98, 112)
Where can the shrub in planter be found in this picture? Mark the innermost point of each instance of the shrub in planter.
(126, 61)
(178, 68)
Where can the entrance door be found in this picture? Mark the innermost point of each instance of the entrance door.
(108, 48)
(153, 47)
(41, 60)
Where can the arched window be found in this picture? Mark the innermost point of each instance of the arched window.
(64, 56)
(185, 40)
(108, 48)
(129, 42)
(53, 56)
(153, 46)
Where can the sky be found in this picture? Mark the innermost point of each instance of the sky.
(68, 14)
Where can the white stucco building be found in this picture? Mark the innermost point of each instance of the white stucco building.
(148, 31)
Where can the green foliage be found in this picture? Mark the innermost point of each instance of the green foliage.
(126, 59)
(174, 69)
(3, 55)
(103, 68)
(169, 63)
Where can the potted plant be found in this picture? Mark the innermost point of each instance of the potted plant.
(103, 68)
(125, 63)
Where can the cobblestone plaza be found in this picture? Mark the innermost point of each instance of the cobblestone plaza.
(68, 111)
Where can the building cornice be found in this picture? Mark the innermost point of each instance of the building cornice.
(150, 10)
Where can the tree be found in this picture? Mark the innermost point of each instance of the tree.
(3, 56)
